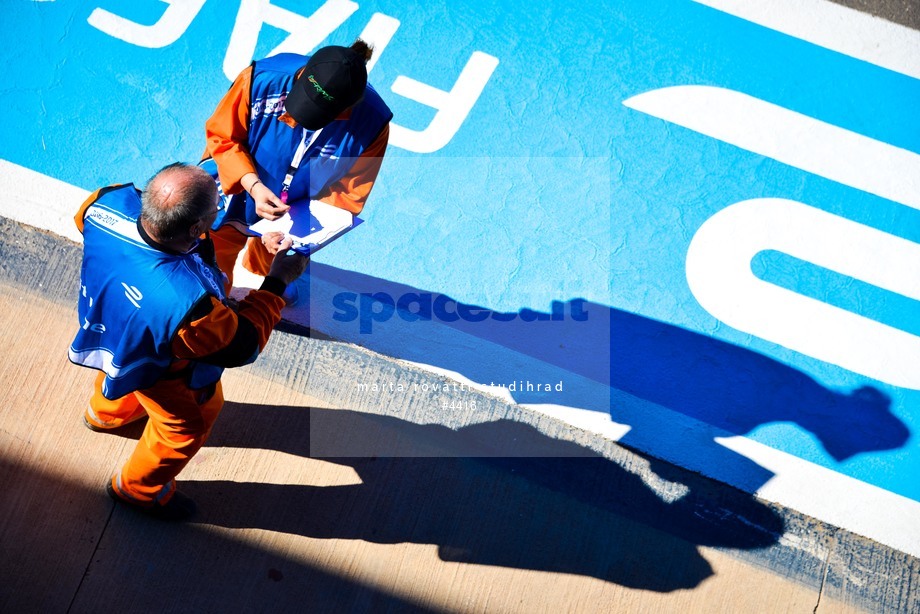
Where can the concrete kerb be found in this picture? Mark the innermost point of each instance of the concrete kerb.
(843, 565)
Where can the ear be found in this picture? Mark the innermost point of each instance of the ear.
(194, 231)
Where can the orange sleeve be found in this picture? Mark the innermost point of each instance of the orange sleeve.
(263, 309)
(351, 191)
(227, 133)
(222, 335)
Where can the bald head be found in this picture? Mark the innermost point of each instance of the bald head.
(175, 199)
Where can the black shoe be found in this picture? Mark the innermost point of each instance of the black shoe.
(177, 509)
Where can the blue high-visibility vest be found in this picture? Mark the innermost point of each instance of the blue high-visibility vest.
(134, 297)
(272, 143)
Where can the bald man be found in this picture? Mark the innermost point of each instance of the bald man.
(155, 323)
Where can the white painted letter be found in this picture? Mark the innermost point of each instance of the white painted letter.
(306, 33)
(452, 106)
(807, 143)
(175, 20)
(720, 277)
(378, 32)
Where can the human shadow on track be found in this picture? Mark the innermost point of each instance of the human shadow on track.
(544, 504)
(732, 390)
(737, 390)
(634, 368)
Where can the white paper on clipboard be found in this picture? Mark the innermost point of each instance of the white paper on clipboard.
(310, 229)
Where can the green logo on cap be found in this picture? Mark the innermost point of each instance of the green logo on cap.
(319, 88)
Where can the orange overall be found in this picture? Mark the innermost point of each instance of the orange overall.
(227, 132)
(180, 418)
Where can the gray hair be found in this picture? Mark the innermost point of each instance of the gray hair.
(176, 197)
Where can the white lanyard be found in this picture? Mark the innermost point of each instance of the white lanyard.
(298, 158)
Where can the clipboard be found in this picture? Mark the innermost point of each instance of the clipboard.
(311, 228)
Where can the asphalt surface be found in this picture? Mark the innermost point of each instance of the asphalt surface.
(904, 12)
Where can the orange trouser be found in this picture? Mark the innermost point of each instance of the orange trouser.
(179, 422)
(229, 242)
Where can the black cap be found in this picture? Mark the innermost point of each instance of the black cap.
(333, 80)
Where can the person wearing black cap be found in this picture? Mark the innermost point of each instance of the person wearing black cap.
(293, 128)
